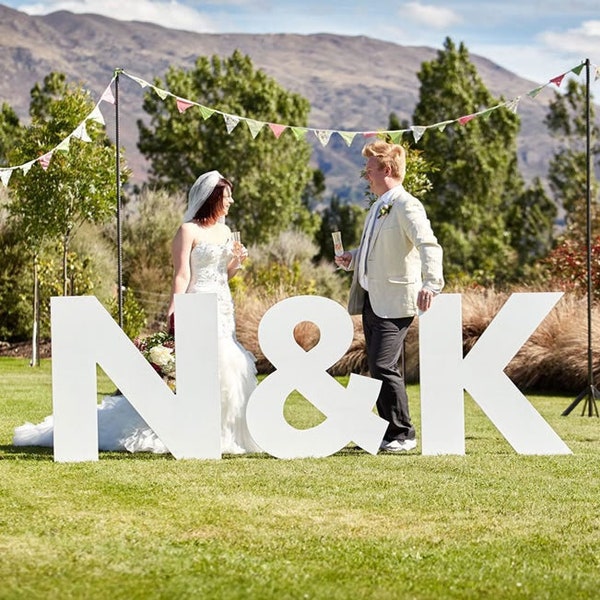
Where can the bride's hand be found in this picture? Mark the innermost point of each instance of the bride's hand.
(240, 252)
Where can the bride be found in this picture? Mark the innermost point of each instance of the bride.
(205, 257)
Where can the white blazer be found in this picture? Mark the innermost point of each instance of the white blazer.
(404, 256)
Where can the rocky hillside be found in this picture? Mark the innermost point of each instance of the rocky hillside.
(352, 83)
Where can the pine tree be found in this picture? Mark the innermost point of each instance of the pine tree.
(476, 184)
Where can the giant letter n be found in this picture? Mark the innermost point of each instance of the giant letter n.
(445, 374)
(85, 335)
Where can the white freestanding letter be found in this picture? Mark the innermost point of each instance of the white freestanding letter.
(445, 374)
(84, 335)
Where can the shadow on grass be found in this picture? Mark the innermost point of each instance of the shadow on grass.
(9, 452)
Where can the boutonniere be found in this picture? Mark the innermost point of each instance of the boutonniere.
(384, 209)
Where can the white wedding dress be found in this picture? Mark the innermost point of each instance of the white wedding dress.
(120, 427)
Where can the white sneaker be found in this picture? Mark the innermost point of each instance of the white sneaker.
(399, 446)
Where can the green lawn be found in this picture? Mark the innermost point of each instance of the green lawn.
(491, 524)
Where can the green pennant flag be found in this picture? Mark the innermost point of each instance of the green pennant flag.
(347, 136)
(206, 112)
(254, 126)
(299, 132)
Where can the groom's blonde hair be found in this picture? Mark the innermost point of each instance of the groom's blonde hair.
(388, 155)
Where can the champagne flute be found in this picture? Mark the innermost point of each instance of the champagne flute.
(237, 245)
(338, 247)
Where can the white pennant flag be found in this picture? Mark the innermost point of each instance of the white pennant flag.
(230, 122)
(108, 96)
(25, 168)
(81, 133)
(513, 104)
(96, 115)
(323, 135)
(418, 131)
(142, 83)
(5, 176)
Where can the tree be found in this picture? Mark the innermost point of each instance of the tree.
(566, 121)
(269, 174)
(343, 217)
(476, 182)
(78, 185)
(10, 131)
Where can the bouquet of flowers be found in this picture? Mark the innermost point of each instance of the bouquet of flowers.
(159, 351)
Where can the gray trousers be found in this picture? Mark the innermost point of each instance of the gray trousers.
(385, 342)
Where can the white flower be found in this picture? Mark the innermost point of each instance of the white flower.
(162, 357)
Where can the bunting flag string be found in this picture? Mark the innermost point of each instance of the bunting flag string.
(80, 132)
(256, 126)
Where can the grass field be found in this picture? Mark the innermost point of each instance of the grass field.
(491, 524)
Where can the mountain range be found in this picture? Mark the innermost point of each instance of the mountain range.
(353, 83)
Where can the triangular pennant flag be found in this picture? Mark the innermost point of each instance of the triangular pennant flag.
(183, 105)
(5, 176)
(254, 126)
(277, 129)
(513, 104)
(206, 112)
(299, 132)
(558, 80)
(577, 70)
(597, 75)
(323, 135)
(487, 113)
(64, 145)
(418, 131)
(45, 160)
(96, 115)
(464, 120)
(81, 133)
(108, 96)
(536, 91)
(442, 125)
(25, 168)
(141, 82)
(347, 136)
(231, 122)
(396, 136)
(369, 134)
(161, 93)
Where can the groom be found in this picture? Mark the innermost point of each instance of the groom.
(397, 272)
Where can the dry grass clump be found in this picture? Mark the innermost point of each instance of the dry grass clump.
(553, 359)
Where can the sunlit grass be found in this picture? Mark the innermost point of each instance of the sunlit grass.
(490, 524)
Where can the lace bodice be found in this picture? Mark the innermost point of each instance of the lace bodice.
(208, 263)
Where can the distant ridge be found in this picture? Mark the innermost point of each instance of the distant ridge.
(352, 83)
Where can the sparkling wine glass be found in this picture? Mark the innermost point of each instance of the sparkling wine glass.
(338, 247)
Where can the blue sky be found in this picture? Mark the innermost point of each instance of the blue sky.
(536, 39)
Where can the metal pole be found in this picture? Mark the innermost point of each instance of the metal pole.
(118, 186)
(590, 393)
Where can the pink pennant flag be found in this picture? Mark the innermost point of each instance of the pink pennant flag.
(558, 80)
(464, 120)
(183, 105)
(369, 134)
(107, 96)
(45, 160)
(277, 129)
